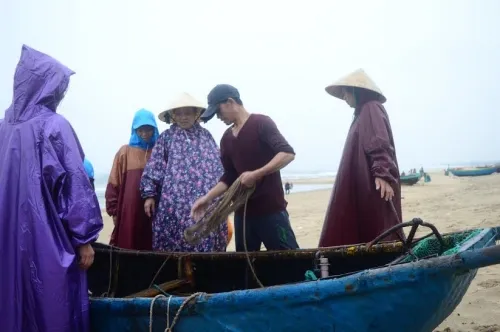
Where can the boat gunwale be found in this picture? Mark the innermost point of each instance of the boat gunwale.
(348, 250)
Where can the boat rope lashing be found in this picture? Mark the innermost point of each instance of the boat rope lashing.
(234, 198)
(151, 311)
(169, 327)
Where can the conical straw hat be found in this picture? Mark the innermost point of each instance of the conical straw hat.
(182, 100)
(357, 79)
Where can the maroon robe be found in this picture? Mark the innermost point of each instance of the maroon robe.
(123, 200)
(357, 213)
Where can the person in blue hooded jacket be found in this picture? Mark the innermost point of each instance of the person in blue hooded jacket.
(132, 227)
(89, 169)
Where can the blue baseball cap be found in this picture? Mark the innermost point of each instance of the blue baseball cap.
(218, 95)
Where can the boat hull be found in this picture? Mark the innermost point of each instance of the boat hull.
(415, 306)
(409, 180)
(473, 172)
(412, 297)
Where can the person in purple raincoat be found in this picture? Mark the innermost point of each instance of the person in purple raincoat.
(49, 214)
(184, 165)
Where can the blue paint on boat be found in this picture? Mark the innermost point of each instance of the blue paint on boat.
(473, 172)
(411, 297)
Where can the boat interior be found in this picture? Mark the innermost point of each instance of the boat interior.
(126, 273)
(122, 273)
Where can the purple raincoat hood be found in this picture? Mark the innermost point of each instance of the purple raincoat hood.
(40, 82)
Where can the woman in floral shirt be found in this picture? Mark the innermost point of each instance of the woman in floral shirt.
(184, 165)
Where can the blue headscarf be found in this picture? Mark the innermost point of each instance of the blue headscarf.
(143, 117)
(89, 169)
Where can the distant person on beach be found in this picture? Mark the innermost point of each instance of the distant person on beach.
(49, 214)
(367, 183)
(254, 150)
(287, 188)
(427, 178)
(132, 227)
(89, 169)
(184, 165)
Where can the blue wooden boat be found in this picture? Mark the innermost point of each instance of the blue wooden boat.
(480, 171)
(407, 286)
(410, 179)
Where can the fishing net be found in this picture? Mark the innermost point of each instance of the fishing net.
(431, 246)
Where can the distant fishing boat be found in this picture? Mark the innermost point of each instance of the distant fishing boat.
(472, 171)
(380, 286)
(410, 179)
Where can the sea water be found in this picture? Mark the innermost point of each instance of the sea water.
(297, 188)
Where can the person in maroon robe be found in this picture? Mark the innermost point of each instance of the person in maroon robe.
(132, 227)
(366, 198)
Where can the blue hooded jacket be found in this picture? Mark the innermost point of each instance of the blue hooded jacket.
(89, 169)
(143, 117)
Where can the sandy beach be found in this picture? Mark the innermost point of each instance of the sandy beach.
(451, 204)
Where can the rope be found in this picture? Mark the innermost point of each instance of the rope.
(234, 198)
(106, 294)
(159, 270)
(151, 311)
(245, 246)
(169, 327)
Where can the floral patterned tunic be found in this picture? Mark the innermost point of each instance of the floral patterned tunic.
(184, 165)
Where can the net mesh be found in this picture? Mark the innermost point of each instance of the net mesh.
(430, 246)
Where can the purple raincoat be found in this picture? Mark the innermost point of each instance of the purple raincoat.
(47, 206)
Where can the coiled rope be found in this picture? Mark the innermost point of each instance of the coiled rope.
(216, 214)
(234, 198)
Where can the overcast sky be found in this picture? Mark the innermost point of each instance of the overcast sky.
(437, 62)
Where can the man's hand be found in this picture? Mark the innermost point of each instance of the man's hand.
(149, 207)
(248, 179)
(386, 191)
(199, 207)
(86, 254)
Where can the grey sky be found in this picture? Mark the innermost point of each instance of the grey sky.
(436, 61)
